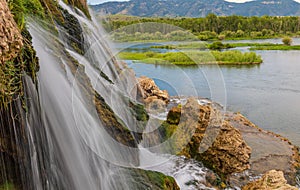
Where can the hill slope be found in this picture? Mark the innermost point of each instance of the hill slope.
(199, 8)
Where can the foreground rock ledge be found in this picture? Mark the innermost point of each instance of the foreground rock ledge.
(270, 151)
(271, 180)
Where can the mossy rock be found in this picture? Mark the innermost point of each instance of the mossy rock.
(174, 115)
(146, 179)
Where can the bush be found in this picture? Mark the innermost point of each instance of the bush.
(287, 41)
(221, 37)
(203, 37)
(240, 33)
(218, 46)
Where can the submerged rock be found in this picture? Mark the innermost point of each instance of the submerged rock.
(271, 180)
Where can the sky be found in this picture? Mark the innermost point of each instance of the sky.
(92, 2)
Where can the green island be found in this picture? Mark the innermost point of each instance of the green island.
(194, 57)
(276, 47)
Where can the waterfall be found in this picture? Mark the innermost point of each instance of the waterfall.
(82, 130)
(76, 150)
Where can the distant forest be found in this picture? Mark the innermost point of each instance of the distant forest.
(212, 26)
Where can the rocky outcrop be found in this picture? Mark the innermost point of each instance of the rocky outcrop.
(150, 90)
(271, 180)
(208, 139)
(10, 36)
(80, 4)
(270, 151)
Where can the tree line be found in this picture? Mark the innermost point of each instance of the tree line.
(213, 26)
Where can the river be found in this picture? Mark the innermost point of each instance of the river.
(267, 94)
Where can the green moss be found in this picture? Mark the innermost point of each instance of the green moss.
(113, 125)
(139, 111)
(146, 179)
(21, 8)
(7, 186)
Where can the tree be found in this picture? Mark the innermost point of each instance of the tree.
(287, 41)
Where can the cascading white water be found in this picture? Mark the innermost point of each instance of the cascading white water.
(81, 153)
(71, 159)
(79, 146)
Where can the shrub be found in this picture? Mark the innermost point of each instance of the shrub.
(264, 32)
(203, 37)
(240, 33)
(287, 41)
(221, 37)
(218, 46)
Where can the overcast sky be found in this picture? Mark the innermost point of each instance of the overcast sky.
(102, 1)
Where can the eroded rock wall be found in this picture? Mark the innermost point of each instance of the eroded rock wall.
(10, 36)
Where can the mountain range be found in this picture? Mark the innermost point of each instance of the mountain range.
(199, 8)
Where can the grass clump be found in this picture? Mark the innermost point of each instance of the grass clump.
(276, 47)
(218, 46)
(20, 8)
(287, 41)
(7, 186)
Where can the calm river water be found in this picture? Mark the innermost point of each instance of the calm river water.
(267, 94)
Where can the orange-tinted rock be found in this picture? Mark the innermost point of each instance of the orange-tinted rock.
(271, 180)
(150, 90)
(10, 36)
(209, 139)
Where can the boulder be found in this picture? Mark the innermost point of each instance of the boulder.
(173, 116)
(146, 179)
(10, 36)
(271, 180)
(203, 135)
(150, 90)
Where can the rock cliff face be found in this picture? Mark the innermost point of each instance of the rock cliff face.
(81, 4)
(271, 180)
(10, 36)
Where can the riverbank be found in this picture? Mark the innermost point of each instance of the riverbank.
(194, 57)
(234, 141)
(218, 45)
